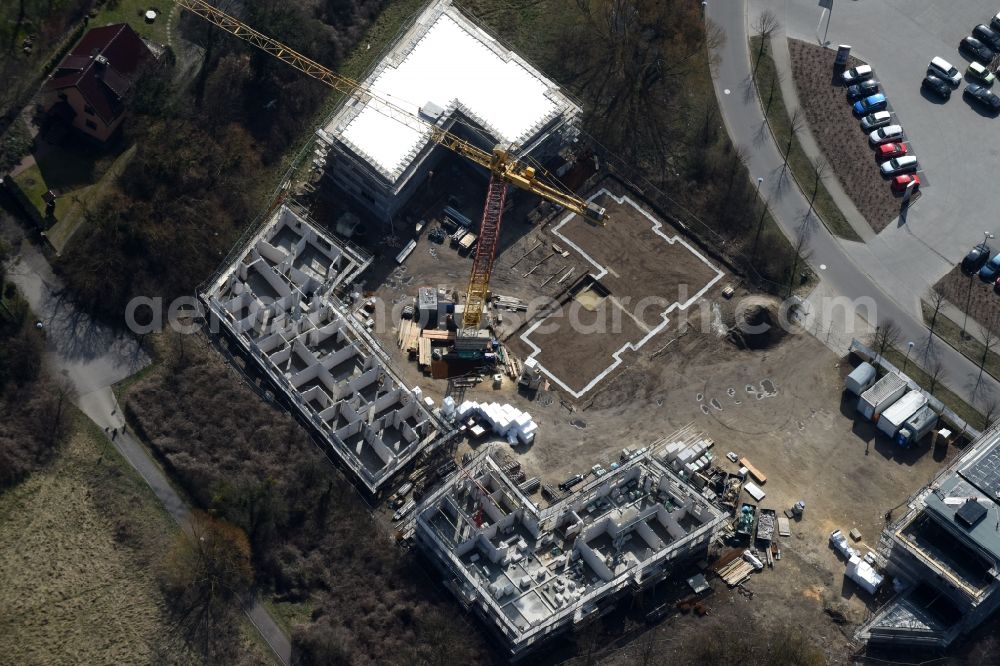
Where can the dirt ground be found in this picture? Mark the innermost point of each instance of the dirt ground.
(81, 541)
(783, 407)
(832, 121)
(983, 300)
(635, 266)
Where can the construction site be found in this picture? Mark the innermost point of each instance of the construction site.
(558, 410)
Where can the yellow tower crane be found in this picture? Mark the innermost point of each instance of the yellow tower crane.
(504, 167)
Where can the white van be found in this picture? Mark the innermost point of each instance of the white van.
(942, 68)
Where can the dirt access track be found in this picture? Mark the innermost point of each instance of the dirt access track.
(638, 275)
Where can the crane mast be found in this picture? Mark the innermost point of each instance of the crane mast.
(504, 168)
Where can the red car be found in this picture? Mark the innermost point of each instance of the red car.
(889, 150)
(900, 182)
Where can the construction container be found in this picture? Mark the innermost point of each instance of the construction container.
(860, 379)
(917, 426)
(894, 416)
(881, 395)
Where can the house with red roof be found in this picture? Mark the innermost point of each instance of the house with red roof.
(89, 88)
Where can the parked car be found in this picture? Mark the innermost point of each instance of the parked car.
(862, 89)
(859, 73)
(982, 95)
(886, 134)
(976, 259)
(975, 49)
(995, 22)
(900, 182)
(979, 73)
(885, 151)
(869, 104)
(898, 165)
(940, 67)
(875, 120)
(987, 36)
(937, 86)
(989, 271)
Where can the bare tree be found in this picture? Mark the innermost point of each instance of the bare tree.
(764, 27)
(936, 299)
(886, 336)
(797, 254)
(820, 168)
(934, 371)
(777, 79)
(991, 408)
(989, 341)
(796, 122)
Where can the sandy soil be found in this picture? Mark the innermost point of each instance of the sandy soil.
(833, 123)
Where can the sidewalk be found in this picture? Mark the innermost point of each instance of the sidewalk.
(783, 65)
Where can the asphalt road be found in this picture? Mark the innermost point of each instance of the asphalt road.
(93, 358)
(957, 144)
(831, 258)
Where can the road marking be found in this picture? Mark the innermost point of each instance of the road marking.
(726, 91)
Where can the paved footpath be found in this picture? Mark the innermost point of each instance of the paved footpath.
(832, 259)
(94, 358)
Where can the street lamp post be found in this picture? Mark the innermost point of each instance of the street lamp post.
(909, 348)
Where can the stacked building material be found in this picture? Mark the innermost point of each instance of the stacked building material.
(506, 420)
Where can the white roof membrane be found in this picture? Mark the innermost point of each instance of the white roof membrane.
(452, 67)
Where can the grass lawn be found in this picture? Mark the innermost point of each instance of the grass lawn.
(288, 614)
(76, 204)
(950, 400)
(33, 184)
(799, 164)
(970, 347)
(132, 12)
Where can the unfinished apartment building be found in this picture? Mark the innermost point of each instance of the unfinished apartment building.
(445, 71)
(946, 549)
(533, 572)
(278, 302)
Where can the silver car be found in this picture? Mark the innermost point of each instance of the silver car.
(886, 134)
(875, 120)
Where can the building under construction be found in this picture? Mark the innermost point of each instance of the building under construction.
(445, 72)
(280, 301)
(944, 552)
(530, 572)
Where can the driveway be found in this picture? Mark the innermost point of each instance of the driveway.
(958, 146)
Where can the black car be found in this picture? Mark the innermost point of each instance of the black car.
(862, 89)
(982, 95)
(995, 22)
(976, 259)
(987, 36)
(976, 49)
(937, 86)
(569, 483)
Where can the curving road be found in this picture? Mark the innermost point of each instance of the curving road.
(831, 258)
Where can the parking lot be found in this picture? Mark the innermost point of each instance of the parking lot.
(958, 145)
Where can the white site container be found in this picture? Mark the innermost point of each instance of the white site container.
(876, 399)
(894, 416)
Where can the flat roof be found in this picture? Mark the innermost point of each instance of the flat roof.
(449, 62)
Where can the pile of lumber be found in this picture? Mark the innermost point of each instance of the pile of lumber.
(408, 336)
(735, 572)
